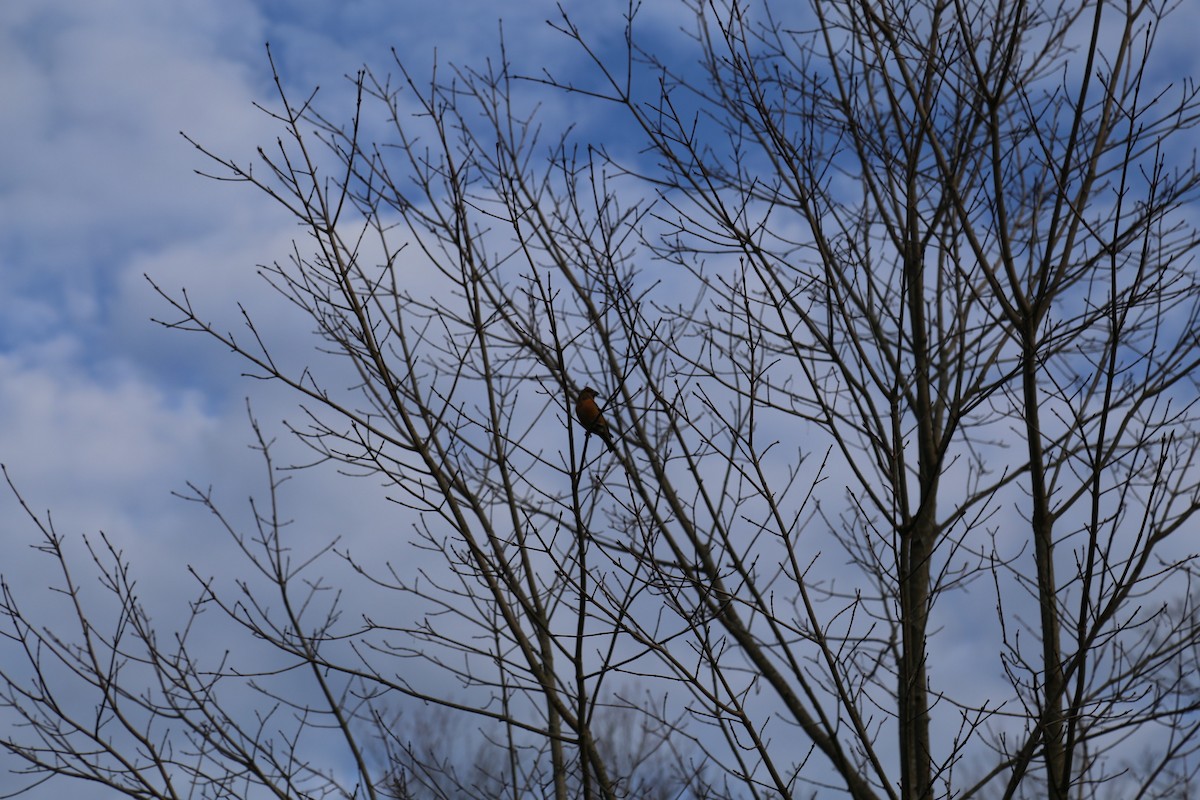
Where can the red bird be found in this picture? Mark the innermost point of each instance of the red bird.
(590, 416)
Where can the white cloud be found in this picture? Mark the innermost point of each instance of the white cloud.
(102, 413)
(96, 163)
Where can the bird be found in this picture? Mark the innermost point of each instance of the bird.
(590, 416)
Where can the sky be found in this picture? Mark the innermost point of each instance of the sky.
(104, 414)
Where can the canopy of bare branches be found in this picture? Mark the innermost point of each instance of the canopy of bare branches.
(891, 312)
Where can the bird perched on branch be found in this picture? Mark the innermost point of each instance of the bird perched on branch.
(590, 416)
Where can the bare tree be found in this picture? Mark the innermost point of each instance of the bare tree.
(893, 309)
(437, 753)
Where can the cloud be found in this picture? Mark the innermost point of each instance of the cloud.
(102, 90)
(102, 413)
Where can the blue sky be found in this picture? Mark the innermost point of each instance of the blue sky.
(97, 188)
(103, 413)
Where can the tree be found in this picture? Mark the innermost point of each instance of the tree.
(894, 311)
(435, 754)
